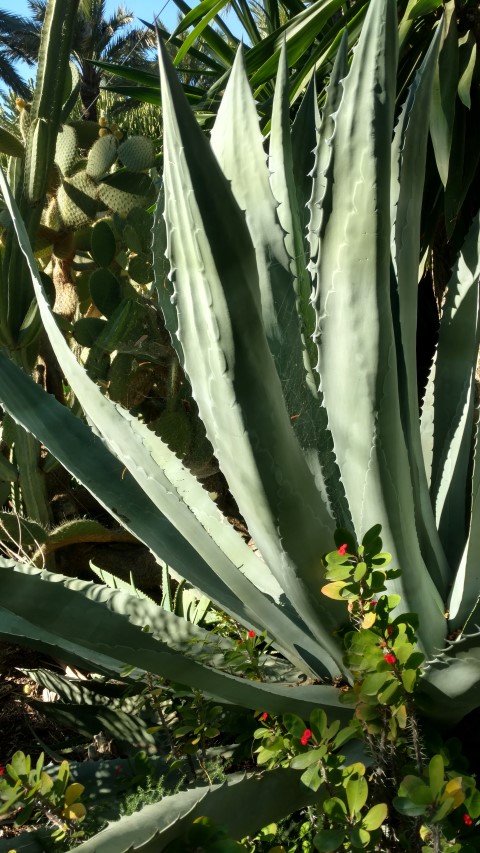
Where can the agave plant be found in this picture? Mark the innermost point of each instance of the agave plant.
(301, 355)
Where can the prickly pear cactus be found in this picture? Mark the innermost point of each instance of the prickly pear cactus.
(102, 156)
(137, 153)
(77, 201)
(66, 150)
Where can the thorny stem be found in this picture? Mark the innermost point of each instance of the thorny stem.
(417, 750)
(158, 708)
(436, 838)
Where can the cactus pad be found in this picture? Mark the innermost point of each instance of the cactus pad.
(76, 200)
(137, 153)
(102, 156)
(119, 201)
(66, 149)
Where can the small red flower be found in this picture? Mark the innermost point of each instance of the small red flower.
(2, 771)
(373, 602)
(251, 634)
(343, 550)
(467, 820)
(390, 658)
(306, 737)
(264, 716)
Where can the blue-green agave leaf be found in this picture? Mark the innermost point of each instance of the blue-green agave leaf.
(241, 804)
(319, 203)
(450, 687)
(406, 195)
(447, 416)
(185, 505)
(95, 621)
(445, 84)
(296, 356)
(235, 383)
(355, 334)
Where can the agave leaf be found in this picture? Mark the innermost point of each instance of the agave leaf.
(447, 416)
(127, 728)
(236, 386)
(445, 84)
(450, 687)
(304, 132)
(88, 692)
(465, 594)
(94, 621)
(319, 203)
(87, 459)
(406, 195)
(243, 805)
(172, 490)
(355, 334)
(238, 145)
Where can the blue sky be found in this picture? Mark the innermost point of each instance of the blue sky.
(145, 9)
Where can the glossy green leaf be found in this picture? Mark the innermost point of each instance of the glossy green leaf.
(357, 794)
(103, 244)
(106, 293)
(423, 7)
(299, 35)
(205, 11)
(375, 817)
(329, 840)
(313, 756)
(436, 774)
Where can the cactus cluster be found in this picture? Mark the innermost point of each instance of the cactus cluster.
(85, 189)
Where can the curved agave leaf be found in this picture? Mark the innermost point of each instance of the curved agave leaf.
(355, 336)
(298, 349)
(236, 385)
(447, 416)
(104, 626)
(465, 595)
(406, 195)
(320, 199)
(183, 506)
(451, 684)
(243, 805)
(445, 85)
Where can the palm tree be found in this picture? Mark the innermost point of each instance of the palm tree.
(13, 30)
(99, 38)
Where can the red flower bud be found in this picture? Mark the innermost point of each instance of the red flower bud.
(467, 820)
(373, 602)
(264, 716)
(390, 658)
(2, 771)
(306, 737)
(343, 550)
(251, 634)
(390, 629)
